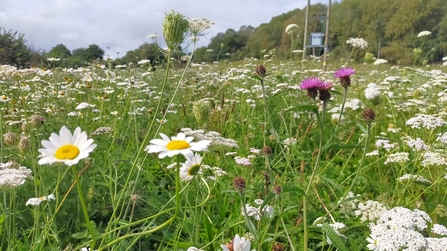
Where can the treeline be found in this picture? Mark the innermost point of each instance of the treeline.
(390, 27)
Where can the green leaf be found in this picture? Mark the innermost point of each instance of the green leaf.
(335, 238)
(362, 128)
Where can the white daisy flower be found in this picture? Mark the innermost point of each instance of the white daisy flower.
(191, 167)
(238, 244)
(179, 144)
(37, 201)
(66, 147)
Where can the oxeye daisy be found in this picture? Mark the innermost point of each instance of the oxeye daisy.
(191, 167)
(179, 144)
(66, 147)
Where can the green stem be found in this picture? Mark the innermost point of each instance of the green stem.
(84, 207)
(339, 118)
(312, 176)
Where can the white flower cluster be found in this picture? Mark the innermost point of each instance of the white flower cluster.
(380, 61)
(415, 144)
(216, 139)
(399, 229)
(424, 33)
(102, 130)
(385, 144)
(372, 91)
(373, 153)
(400, 157)
(256, 212)
(290, 142)
(370, 210)
(354, 104)
(12, 176)
(413, 177)
(442, 137)
(357, 43)
(433, 159)
(197, 26)
(425, 121)
(291, 28)
(349, 204)
(242, 161)
(439, 230)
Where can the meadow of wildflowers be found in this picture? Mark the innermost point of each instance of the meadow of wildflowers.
(259, 155)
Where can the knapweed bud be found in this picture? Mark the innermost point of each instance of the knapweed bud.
(201, 109)
(278, 247)
(267, 150)
(239, 184)
(261, 71)
(10, 138)
(369, 115)
(277, 190)
(175, 27)
(24, 145)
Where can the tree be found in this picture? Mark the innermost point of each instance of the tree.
(59, 51)
(13, 50)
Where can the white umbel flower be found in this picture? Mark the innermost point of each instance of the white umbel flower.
(424, 33)
(66, 147)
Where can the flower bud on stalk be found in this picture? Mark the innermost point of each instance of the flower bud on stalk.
(175, 27)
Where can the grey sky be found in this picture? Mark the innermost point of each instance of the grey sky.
(124, 25)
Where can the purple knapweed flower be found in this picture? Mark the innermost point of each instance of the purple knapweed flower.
(344, 74)
(311, 85)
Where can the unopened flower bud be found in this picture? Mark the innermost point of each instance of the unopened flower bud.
(267, 150)
(175, 27)
(239, 184)
(261, 71)
(10, 138)
(35, 120)
(369, 115)
(277, 189)
(24, 145)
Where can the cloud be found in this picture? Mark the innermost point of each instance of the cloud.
(123, 25)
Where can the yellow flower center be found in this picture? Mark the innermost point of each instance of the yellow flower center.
(194, 169)
(67, 152)
(177, 145)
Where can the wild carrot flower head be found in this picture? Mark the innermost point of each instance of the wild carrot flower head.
(344, 74)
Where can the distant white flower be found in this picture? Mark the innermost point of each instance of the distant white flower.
(84, 105)
(425, 121)
(372, 91)
(14, 177)
(152, 35)
(239, 244)
(53, 59)
(144, 61)
(415, 177)
(357, 43)
(424, 33)
(37, 201)
(380, 61)
(439, 229)
(291, 28)
(400, 157)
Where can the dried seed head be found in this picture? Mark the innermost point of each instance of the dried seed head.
(277, 189)
(239, 184)
(278, 247)
(10, 138)
(24, 145)
(267, 150)
(36, 120)
(369, 115)
(261, 71)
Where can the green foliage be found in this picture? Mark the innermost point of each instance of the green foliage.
(13, 50)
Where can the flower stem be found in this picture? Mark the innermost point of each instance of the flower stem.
(312, 176)
(84, 207)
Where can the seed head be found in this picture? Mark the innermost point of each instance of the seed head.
(36, 120)
(267, 150)
(369, 115)
(24, 145)
(239, 184)
(10, 138)
(261, 71)
(277, 190)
